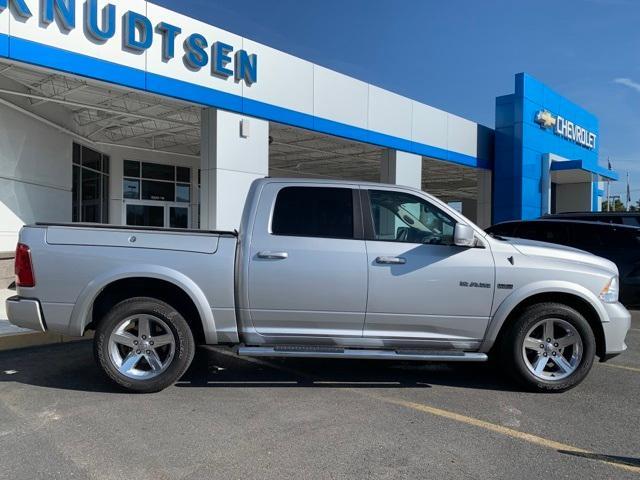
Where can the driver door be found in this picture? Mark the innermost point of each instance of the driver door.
(422, 286)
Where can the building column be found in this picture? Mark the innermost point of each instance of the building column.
(235, 152)
(401, 168)
(485, 193)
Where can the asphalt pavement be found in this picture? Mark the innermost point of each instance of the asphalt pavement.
(238, 418)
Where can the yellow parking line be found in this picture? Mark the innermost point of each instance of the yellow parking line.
(509, 432)
(622, 367)
(493, 427)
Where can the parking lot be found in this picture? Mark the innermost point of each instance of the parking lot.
(238, 418)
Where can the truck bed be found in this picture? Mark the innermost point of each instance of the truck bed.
(73, 263)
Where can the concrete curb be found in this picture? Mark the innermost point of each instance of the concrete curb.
(16, 341)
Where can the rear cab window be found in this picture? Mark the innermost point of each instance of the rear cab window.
(322, 212)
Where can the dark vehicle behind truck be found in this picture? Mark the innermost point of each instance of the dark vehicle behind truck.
(615, 242)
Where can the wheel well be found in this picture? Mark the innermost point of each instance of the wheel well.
(168, 292)
(580, 305)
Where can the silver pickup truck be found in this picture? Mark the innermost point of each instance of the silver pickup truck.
(328, 270)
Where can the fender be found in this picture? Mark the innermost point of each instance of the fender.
(522, 294)
(84, 303)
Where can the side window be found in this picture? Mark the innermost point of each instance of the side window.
(401, 217)
(587, 236)
(531, 231)
(620, 238)
(503, 229)
(631, 221)
(548, 232)
(314, 212)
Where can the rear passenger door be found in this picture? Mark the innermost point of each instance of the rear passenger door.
(308, 267)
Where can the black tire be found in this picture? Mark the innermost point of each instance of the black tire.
(176, 365)
(510, 349)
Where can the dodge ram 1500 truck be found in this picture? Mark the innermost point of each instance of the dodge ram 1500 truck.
(325, 269)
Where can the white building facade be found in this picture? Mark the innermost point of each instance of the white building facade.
(127, 113)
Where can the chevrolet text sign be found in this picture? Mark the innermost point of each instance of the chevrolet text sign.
(566, 129)
(138, 34)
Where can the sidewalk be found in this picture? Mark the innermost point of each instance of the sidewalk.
(12, 337)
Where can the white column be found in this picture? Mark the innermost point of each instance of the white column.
(401, 168)
(485, 198)
(235, 152)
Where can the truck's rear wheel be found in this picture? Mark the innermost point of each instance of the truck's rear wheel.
(144, 345)
(549, 348)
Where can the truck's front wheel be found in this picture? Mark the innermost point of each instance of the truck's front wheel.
(549, 348)
(144, 345)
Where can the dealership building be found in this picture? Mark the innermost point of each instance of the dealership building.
(124, 112)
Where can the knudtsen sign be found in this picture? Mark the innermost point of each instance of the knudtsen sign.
(566, 129)
(139, 34)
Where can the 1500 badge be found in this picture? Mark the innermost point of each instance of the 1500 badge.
(475, 285)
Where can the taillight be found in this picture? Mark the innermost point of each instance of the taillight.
(24, 268)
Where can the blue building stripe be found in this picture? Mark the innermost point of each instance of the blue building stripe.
(4, 45)
(267, 111)
(78, 64)
(193, 93)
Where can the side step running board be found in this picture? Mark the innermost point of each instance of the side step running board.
(365, 354)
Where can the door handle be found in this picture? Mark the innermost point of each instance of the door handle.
(391, 260)
(273, 255)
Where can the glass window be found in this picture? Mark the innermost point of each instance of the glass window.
(314, 212)
(183, 174)
(157, 171)
(90, 186)
(131, 169)
(544, 232)
(76, 193)
(159, 191)
(401, 217)
(145, 216)
(91, 159)
(631, 221)
(183, 193)
(106, 164)
(178, 217)
(131, 189)
(503, 229)
(104, 194)
(91, 203)
(620, 238)
(77, 154)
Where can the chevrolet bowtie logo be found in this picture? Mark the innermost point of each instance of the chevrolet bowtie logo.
(545, 119)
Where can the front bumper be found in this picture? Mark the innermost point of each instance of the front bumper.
(616, 329)
(25, 313)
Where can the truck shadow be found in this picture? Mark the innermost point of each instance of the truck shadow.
(72, 367)
(214, 369)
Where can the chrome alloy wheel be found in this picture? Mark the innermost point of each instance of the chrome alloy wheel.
(141, 347)
(552, 349)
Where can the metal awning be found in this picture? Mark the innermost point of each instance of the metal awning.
(575, 171)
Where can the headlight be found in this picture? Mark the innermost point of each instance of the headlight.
(610, 292)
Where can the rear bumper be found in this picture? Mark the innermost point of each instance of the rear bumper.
(616, 329)
(25, 313)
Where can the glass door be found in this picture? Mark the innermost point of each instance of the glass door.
(156, 214)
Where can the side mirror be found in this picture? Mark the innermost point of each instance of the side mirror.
(464, 236)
